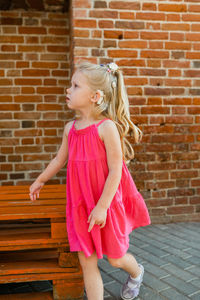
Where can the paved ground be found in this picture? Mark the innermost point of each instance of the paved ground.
(170, 255)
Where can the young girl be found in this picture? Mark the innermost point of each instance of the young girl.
(103, 204)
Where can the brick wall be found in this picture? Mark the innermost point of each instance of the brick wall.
(34, 71)
(157, 44)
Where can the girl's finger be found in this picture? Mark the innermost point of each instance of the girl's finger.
(91, 225)
(103, 224)
(89, 218)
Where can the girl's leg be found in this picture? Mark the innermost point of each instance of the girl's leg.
(92, 276)
(128, 263)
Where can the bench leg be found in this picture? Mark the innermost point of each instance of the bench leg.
(65, 290)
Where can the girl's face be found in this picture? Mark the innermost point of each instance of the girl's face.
(79, 95)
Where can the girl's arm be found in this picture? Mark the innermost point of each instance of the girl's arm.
(109, 133)
(54, 166)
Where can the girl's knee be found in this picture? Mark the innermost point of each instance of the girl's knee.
(115, 262)
(86, 262)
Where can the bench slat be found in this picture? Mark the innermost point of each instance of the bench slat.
(12, 202)
(25, 188)
(31, 216)
(25, 196)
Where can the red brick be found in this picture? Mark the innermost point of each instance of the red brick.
(32, 30)
(177, 82)
(110, 14)
(85, 23)
(50, 90)
(59, 49)
(31, 48)
(191, 17)
(50, 124)
(5, 82)
(27, 90)
(28, 149)
(129, 25)
(46, 107)
(26, 81)
(29, 98)
(133, 44)
(174, 17)
(150, 16)
(154, 54)
(87, 43)
(180, 210)
(105, 24)
(27, 167)
(113, 34)
(148, 6)
(8, 48)
(125, 5)
(36, 157)
(27, 141)
(173, 7)
(126, 15)
(122, 53)
(11, 39)
(154, 35)
(35, 72)
(175, 26)
(81, 33)
(136, 81)
(178, 46)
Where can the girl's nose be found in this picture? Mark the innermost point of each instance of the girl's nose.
(67, 90)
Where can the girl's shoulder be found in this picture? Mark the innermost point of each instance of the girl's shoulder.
(107, 128)
(108, 124)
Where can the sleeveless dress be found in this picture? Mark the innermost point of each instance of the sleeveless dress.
(87, 171)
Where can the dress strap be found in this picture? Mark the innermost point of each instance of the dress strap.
(101, 122)
(73, 123)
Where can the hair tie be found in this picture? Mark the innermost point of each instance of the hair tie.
(112, 67)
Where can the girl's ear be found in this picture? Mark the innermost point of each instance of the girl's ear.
(96, 97)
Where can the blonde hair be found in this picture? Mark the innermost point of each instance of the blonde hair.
(115, 104)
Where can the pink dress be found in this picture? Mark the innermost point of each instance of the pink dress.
(87, 171)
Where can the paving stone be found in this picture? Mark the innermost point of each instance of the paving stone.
(183, 287)
(119, 275)
(193, 252)
(195, 297)
(193, 260)
(106, 278)
(172, 294)
(194, 270)
(149, 294)
(153, 259)
(184, 275)
(114, 289)
(177, 261)
(154, 283)
(104, 265)
(156, 271)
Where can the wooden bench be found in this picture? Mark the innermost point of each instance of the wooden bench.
(33, 241)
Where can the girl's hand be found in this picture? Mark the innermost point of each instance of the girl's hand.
(98, 216)
(35, 190)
